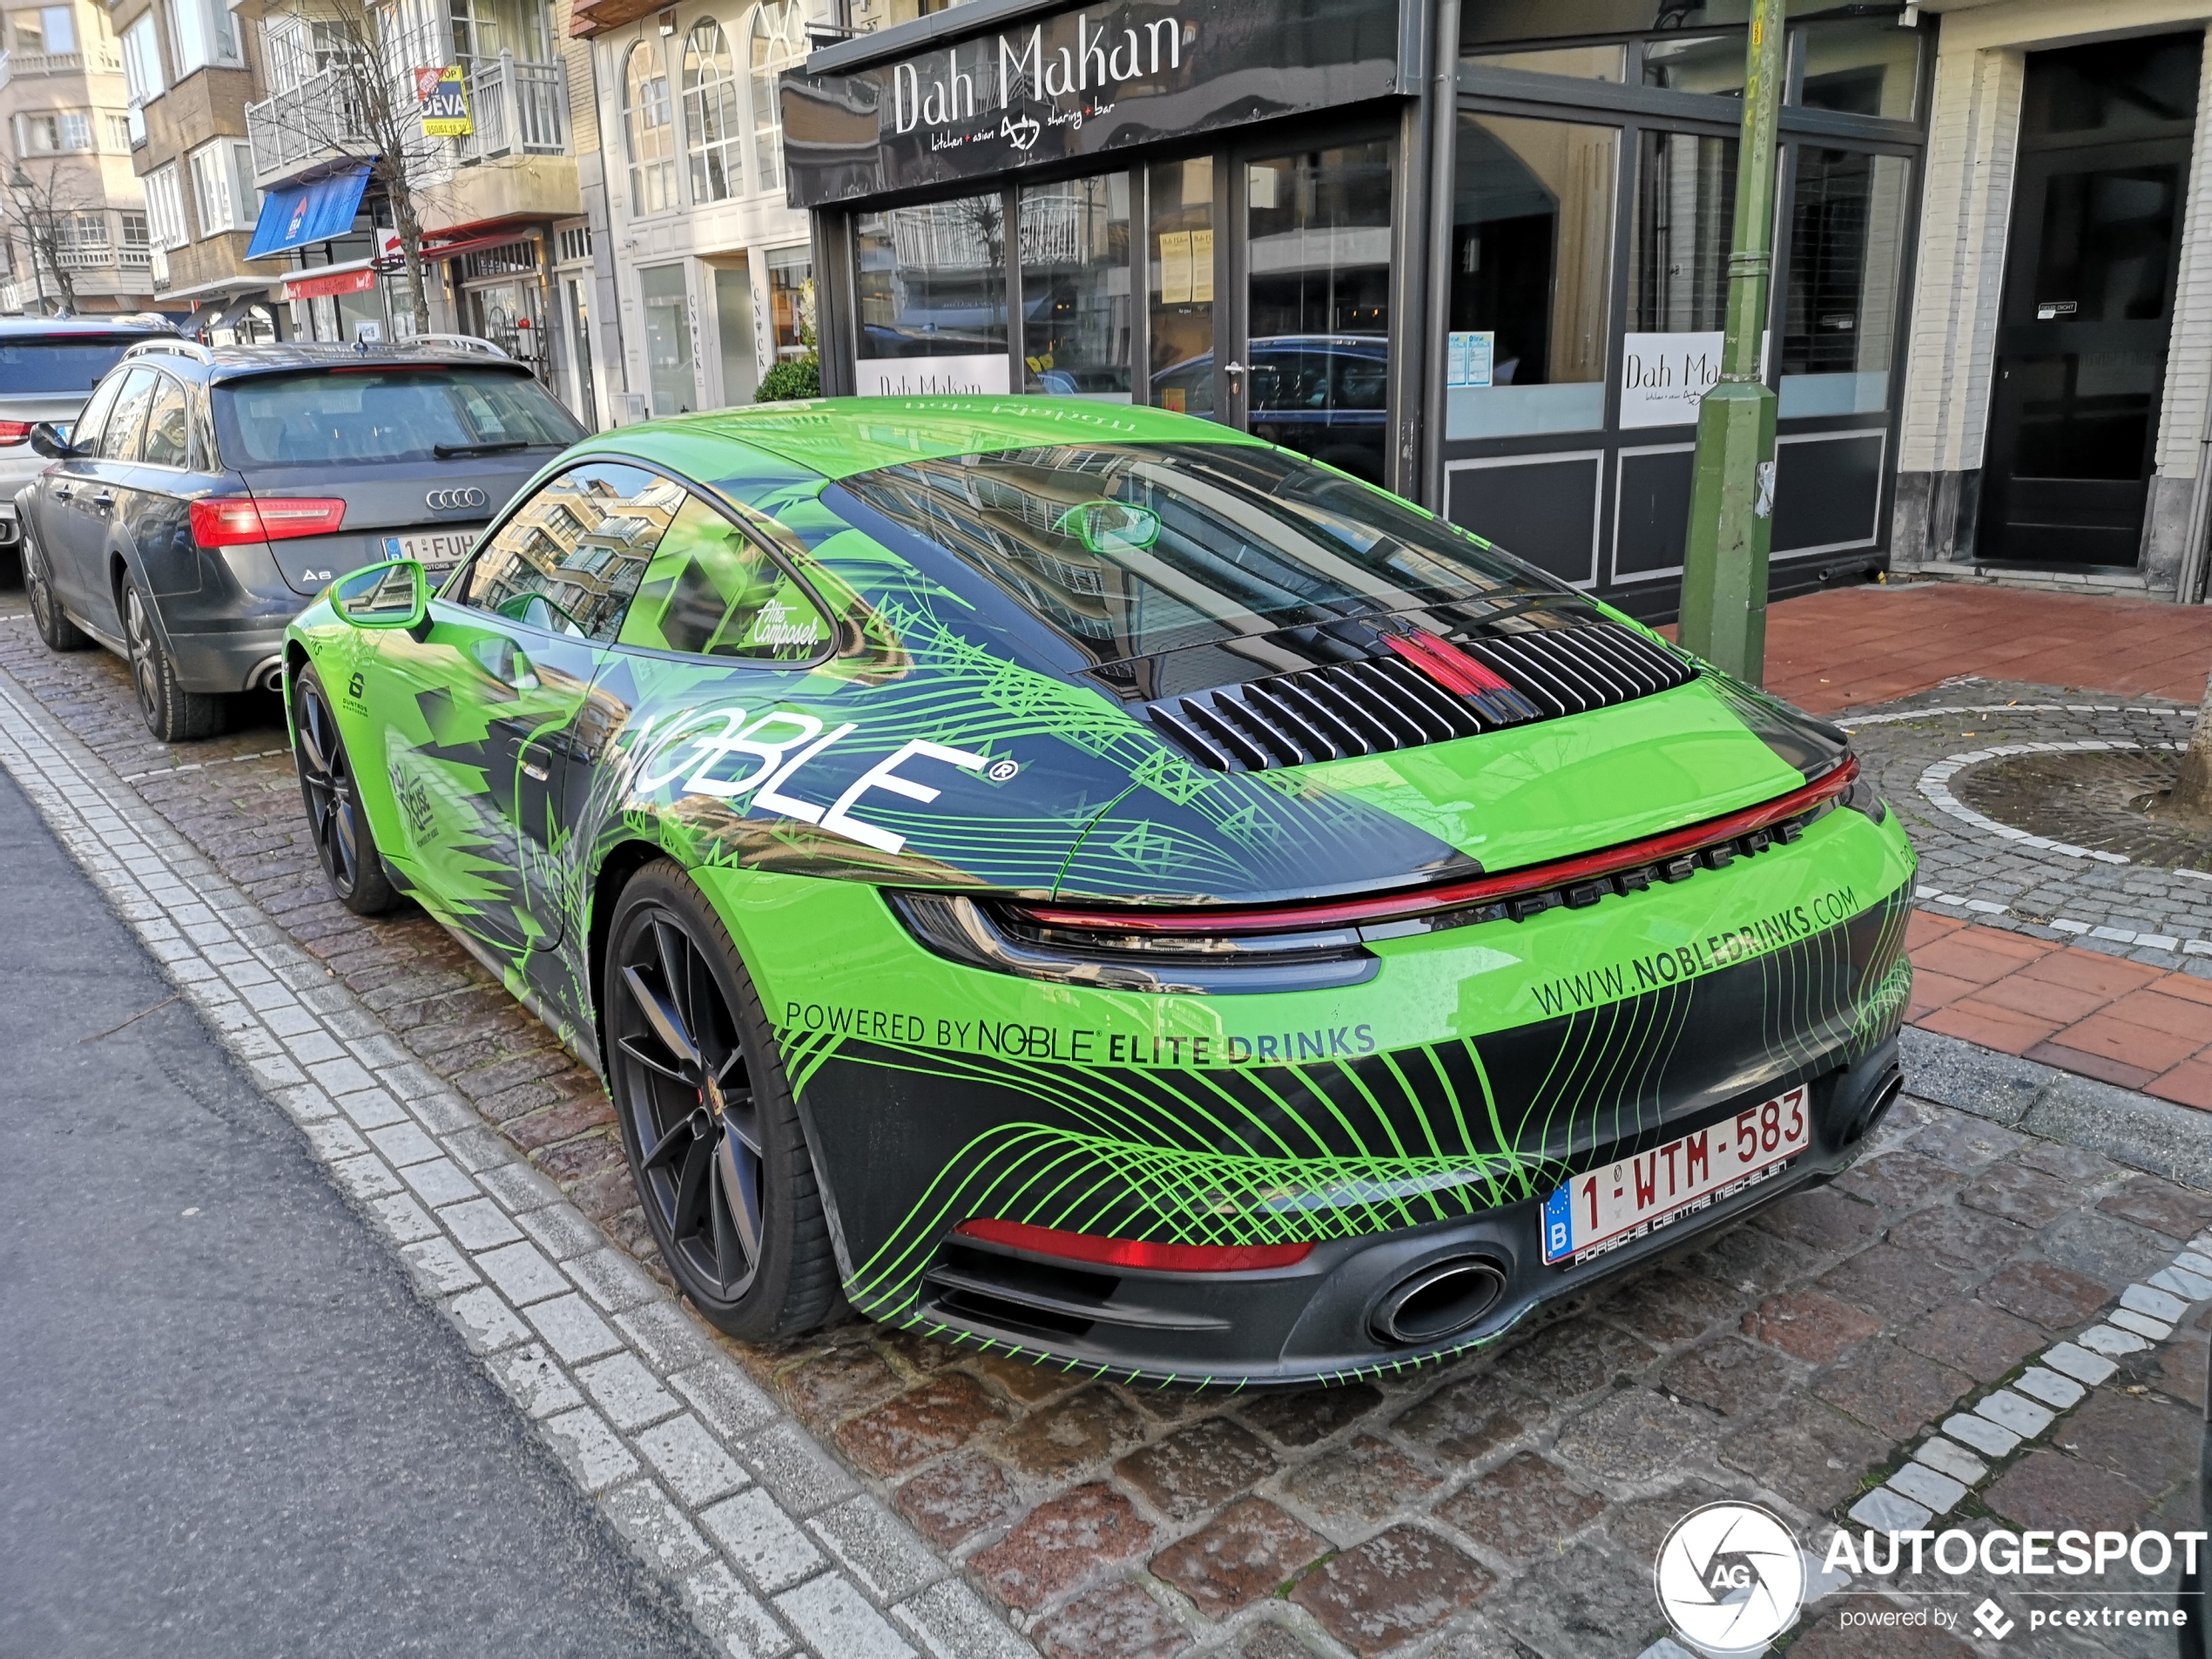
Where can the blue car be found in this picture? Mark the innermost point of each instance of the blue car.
(1323, 395)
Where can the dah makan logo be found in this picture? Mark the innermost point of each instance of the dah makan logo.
(1729, 1578)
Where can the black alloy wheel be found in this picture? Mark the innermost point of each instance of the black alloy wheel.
(46, 613)
(343, 841)
(707, 1119)
(173, 714)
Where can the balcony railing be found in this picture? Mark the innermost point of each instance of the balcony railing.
(86, 258)
(516, 108)
(18, 65)
(316, 121)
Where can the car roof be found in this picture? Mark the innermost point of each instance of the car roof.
(62, 327)
(232, 362)
(840, 437)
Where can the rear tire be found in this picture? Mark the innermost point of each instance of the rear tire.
(336, 819)
(708, 1121)
(173, 714)
(46, 614)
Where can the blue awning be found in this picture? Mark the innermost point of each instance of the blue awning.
(294, 215)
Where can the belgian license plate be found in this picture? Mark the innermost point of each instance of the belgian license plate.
(441, 548)
(1603, 1209)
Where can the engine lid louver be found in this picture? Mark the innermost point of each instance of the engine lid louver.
(1415, 688)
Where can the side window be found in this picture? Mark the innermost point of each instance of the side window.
(87, 428)
(571, 556)
(713, 591)
(120, 441)
(168, 440)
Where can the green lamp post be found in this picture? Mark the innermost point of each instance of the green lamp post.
(1731, 501)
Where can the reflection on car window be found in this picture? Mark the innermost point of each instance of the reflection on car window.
(401, 414)
(86, 430)
(168, 440)
(571, 556)
(61, 365)
(120, 440)
(713, 592)
(1249, 539)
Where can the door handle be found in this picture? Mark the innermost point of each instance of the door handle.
(1233, 368)
(535, 770)
(106, 498)
(63, 492)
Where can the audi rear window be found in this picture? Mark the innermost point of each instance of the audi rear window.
(1133, 548)
(348, 416)
(70, 364)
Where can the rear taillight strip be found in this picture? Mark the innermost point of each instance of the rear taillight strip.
(1458, 895)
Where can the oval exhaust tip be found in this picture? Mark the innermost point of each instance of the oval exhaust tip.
(1441, 1300)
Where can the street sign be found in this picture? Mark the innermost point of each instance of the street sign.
(444, 98)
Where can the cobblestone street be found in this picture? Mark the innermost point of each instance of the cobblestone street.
(1985, 1319)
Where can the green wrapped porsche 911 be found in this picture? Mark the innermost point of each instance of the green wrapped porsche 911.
(1076, 881)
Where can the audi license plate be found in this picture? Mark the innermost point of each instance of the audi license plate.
(1605, 1208)
(432, 549)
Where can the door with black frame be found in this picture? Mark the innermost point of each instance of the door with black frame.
(2087, 303)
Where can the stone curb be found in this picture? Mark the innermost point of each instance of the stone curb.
(631, 1396)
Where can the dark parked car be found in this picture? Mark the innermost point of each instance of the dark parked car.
(207, 494)
(48, 368)
(1323, 395)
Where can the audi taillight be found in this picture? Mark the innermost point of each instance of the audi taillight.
(13, 432)
(229, 520)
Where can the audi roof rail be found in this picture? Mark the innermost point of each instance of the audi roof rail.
(446, 342)
(179, 347)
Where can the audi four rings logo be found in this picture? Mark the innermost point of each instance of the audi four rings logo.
(446, 500)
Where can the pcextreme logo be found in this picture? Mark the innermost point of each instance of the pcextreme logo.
(1729, 1578)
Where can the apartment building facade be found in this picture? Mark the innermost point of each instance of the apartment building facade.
(73, 215)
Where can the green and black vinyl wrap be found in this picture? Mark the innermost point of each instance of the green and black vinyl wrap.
(1439, 1101)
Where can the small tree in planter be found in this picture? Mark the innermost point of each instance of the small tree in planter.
(796, 377)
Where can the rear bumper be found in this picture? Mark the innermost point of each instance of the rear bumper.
(1315, 1322)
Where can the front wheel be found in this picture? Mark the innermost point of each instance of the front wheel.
(173, 714)
(707, 1117)
(343, 839)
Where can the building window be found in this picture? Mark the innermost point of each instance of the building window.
(134, 230)
(649, 130)
(1847, 256)
(1074, 243)
(118, 131)
(778, 35)
(1532, 276)
(49, 133)
(49, 28)
(712, 124)
(222, 186)
(165, 207)
(572, 244)
(791, 299)
(88, 232)
(204, 34)
(931, 282)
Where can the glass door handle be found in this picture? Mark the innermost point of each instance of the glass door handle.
(1234, 369)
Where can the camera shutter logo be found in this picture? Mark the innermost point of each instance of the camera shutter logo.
(1729, 1578)
(448, 500)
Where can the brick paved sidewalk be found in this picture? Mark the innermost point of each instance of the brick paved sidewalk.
(1514, 1499)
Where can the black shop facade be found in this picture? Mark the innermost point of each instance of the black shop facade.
(1489, 275)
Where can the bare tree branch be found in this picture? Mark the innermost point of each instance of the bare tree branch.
(42, 215)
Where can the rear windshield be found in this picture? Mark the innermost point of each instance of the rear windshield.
(72, 365)
(1132, 549)
(347, 414)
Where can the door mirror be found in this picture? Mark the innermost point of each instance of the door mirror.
(396, 595)
(1111, 526)
(46, 438)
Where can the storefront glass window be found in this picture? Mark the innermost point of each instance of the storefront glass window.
(1608, 64)
(1317, 239)
(1532, 273)
(668, 340)
(1711, 63)
(932, 287)
(1685, 206)
(1075, 288)
(1847, 259)
(791, 299)
(1861, 66)
(1179, 285)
